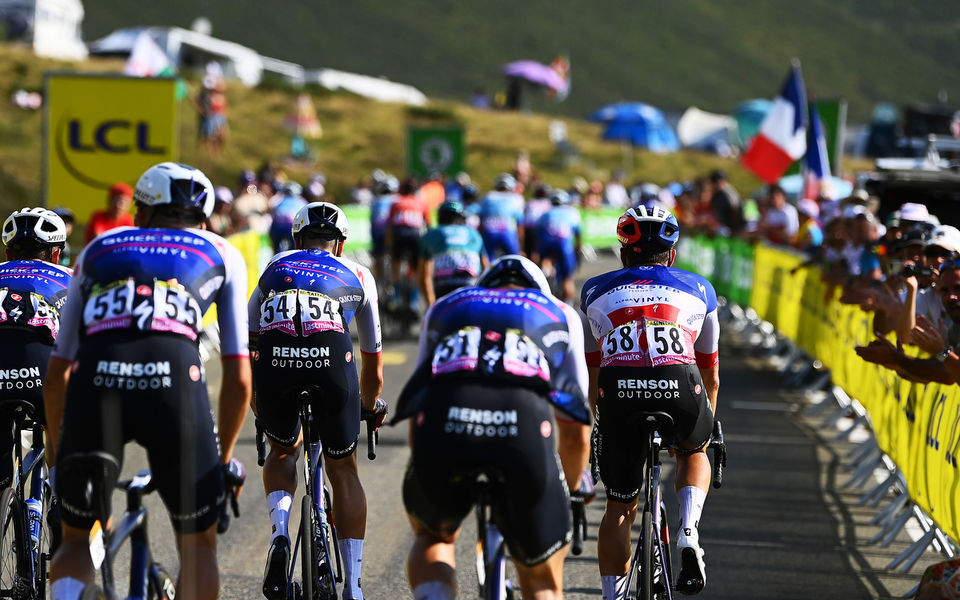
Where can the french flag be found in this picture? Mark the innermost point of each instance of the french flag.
(816, 167)
(782, 138)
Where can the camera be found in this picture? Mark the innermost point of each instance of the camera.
(916, 271)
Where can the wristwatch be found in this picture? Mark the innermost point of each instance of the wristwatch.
(943, 354)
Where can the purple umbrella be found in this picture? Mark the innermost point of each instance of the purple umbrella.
(535, 72)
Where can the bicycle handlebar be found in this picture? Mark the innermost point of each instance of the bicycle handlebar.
(234, 475)
(374, 419)
(719, 454)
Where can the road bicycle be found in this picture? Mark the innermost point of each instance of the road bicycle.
(321, 570)
(148, 579)
(26, 541)
(651, 564)
(491, 550)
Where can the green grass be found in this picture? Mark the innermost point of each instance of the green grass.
(359, 135)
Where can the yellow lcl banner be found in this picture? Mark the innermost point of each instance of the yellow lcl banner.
(103, 129)
(916, 425)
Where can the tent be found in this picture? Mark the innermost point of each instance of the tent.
(749, 115)
(642, 125)
(706, 131)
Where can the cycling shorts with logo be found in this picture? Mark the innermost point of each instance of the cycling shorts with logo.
(506, 432)
(152, 390)
(563, 255)
(23, 366)
(622, 393)
(322, 364)
(406, 244)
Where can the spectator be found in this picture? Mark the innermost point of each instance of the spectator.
(809, 237)
(480, 99)
(522, 171)
(251, 207)
(781, 222)
(119, 200)
(212, 108)
(615, 194)
(726, 203)
(221, 221)
(593, 198)
(922, 305)
(703, 216)
(69, 220)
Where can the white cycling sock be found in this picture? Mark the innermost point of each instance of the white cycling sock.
(613, 586)
(66, 588)
(691, 505)
(351, 550)
(434, 590)
(279, 503)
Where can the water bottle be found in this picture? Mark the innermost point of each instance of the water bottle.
(34, 521)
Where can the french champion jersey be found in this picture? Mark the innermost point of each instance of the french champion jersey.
(157, 281)
(521, 337)
(559, 224)
(409, 211)
(455, 250)
(500, 212)
(303, 292)
(651, 316)
(32, 292)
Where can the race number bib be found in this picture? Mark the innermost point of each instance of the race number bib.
(175, 309)
(44, 315)
(277, 312)
(319, 312)
(451, 263)
(522, 357)
(458, 352)
(4, 292)
(665, 342)
(623, 342)
(109, 307)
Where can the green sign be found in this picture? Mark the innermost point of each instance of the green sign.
(435, 150)
(726, 263)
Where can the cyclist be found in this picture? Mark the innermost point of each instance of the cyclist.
(653, 348)
(408, 220)
(299, 319)
(492, 361)
(284, 207)
(126, 366)
(33, 288)
(386, 193)
(559, 242)
(501, 218)
(451, 254)
(536, 207)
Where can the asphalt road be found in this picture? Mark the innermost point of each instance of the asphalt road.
(770, 532)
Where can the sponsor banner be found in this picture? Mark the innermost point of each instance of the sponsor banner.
(726, 263)
(103, 129)
(917, 425)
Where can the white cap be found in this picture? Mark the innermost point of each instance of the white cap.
(911, 211)
(808, 207)
(945, 236)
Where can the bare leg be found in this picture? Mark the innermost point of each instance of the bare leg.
(613, 537)
(431, 558)
(199, 578)
(543, 581)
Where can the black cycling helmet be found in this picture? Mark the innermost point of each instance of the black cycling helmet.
(34, 227)
(450, 211)
(469, 193)
(514, 269)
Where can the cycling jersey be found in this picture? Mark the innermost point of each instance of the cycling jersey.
(302, 309)
(557, 232)
(131, 324)
(456, 254)
(32, 292)
(500, 213)
(410, 212)
(379, 215)
(651, 316)
(284, 211)
(521, 337)
(535, 208)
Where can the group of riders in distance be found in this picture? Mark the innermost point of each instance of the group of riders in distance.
(507, 381)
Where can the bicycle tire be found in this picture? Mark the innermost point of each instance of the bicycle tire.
(645, 590)
(14, 549)
(308, 574)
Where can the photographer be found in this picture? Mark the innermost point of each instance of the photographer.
(923, 306)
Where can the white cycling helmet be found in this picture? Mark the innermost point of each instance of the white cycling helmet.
(34, 226)
(515, 269)
(176, 184)
(322, 215)
(505, 182)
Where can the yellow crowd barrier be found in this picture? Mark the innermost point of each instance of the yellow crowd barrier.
(916, 425)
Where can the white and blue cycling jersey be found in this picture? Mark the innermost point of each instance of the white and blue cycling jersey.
(651, 316)
(380, 214)
(32, 292)
(500, 214)
(559, 225)
(155, 282)
(303, 292)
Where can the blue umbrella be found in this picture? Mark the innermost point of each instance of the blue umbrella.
(640, 124)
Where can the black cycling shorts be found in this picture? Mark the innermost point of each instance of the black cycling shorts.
(23, 365)
(506, 432)
(406, 244)
(622, 393)
(323, 365)
(152, 390)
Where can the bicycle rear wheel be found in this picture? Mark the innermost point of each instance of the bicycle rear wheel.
(14, 547)
(645, 588)
(317, 562)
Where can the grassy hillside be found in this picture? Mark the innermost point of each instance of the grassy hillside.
(359, 136)
(670, 54)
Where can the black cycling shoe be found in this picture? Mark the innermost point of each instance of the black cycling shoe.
(275, 573)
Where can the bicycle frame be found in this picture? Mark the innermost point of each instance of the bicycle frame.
(31, 466)
(653, 502)
(491, 552)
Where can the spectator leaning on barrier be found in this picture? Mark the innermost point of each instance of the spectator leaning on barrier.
(726, 202)
(923, 308)
(780, 223)
(809, 237)
(944, 364)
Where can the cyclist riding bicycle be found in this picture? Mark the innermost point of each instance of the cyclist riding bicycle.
(300, 341)
(653, 348)
(451, 254)
(501, 218)
(385, 191)
(536, 207)
(559, 242)
(408, 221)
(33, 288)
(493, 360)
(127, 367)
(283, 208)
